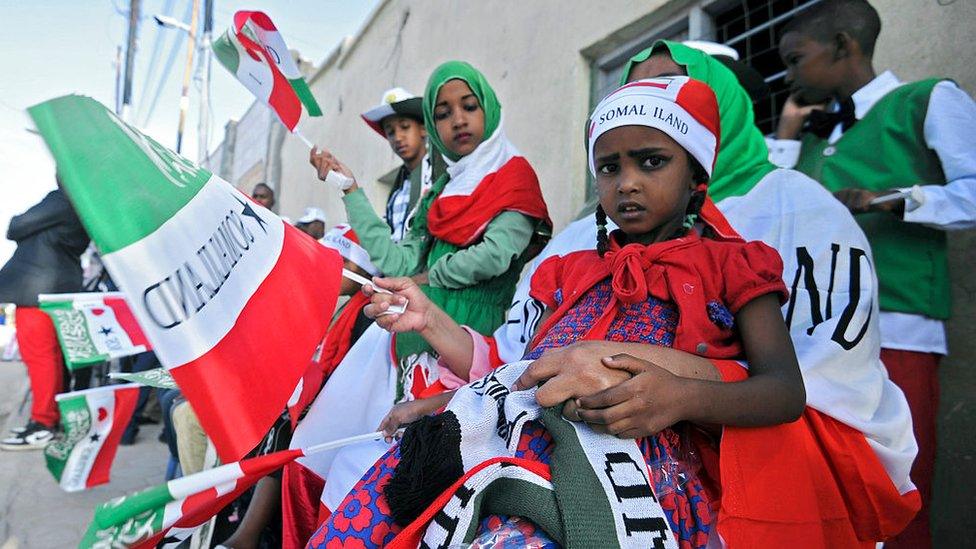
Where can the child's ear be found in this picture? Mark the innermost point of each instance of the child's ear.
(844, 45)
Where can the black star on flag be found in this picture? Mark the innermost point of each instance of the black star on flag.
(95, 438)
(248, 211)
(105, 330)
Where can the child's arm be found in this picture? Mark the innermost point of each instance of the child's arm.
(412, 410)
(445, 336)
(949, 130)
(655, 398)
(375, 236)
(505, 239)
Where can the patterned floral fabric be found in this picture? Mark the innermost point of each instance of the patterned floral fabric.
(363, 519)
(510, 532)
(652, 321)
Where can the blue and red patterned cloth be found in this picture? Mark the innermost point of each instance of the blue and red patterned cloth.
(363, 519)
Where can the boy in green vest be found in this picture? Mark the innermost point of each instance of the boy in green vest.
(399, 118)
(900, 156)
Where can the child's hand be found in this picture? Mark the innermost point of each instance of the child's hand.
(793, 116)
(405, 290)
(406, 412)
(652, 400)
(570, 372)
(859, 201)
(323, 161)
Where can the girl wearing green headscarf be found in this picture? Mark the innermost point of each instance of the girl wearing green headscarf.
(475, 228)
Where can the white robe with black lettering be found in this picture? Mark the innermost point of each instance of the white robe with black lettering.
(832, 312)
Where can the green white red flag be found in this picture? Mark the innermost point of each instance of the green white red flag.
(255, 53)
(92, 423)
(94, 327)
(233, 300)
(165, 515)
(157, 377)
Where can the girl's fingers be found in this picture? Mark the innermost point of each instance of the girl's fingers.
(387, 322)
(607, 397)
(537, 372)
(611, 415)
(626, 363)
(554, 391)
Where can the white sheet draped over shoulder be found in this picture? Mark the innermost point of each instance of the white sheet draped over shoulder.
(358, 395)
(832, 312)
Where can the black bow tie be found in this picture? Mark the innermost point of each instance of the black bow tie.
(822, 123)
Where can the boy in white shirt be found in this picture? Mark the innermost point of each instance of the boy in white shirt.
(900, 157)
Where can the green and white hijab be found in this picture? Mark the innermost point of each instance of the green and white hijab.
(743, 158)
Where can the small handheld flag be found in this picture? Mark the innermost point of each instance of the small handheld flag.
(255, 53)
(94, 327)
(93, 421)
(159, 378)
(171, 512)
(233, 299)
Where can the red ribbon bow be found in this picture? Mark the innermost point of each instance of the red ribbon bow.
(632, 270)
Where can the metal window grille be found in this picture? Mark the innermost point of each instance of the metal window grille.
(750, 26)
(753, 28)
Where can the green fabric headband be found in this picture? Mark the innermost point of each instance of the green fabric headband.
(459, 70)
(743, 158)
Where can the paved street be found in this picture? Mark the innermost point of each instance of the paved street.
(34, 511)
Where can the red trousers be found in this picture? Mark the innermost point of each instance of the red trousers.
(41, 353)
(918, 377)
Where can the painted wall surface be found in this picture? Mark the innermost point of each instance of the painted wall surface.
(251, 147)
(531, 54)
(922, 39)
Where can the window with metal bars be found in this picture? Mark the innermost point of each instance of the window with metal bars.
(752, 27)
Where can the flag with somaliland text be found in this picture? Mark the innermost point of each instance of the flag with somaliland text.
(233, 300)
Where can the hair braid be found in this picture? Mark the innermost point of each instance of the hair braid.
(602, 240)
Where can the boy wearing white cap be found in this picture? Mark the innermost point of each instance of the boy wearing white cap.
(400, 119)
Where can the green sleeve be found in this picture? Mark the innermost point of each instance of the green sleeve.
(505, 239)
(393, 258)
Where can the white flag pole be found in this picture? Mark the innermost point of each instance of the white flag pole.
(362, 280)
(304, 139)
(377, 435)
(901, 195)
(334, 177)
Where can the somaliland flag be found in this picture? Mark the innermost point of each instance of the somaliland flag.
(94, 327)
(167, 514)
(233, 299)
(93, 421)
(255, 53)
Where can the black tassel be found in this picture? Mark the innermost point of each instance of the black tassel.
(430, 462)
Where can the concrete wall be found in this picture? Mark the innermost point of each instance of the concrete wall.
(251, 147)
(921, 39)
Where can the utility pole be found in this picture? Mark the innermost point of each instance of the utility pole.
(203, 125)
(130, 58)
(187, 72)
(118, 80)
